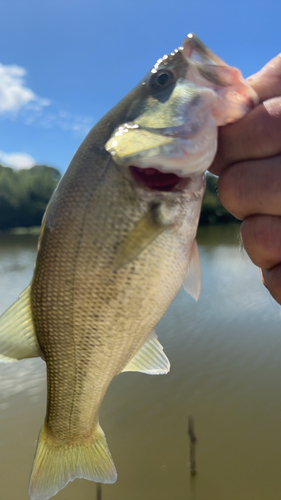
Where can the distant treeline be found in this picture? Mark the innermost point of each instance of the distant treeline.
(24, 195)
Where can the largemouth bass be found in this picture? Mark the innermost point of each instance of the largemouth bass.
(117, 243)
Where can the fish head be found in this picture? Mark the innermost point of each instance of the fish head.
(172, 121)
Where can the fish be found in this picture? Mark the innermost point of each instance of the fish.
(118, 240)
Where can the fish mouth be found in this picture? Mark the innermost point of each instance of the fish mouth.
(155, 180)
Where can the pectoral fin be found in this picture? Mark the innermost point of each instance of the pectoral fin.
(150, 358)
(144, 232)
(192, 280)
(17, 336)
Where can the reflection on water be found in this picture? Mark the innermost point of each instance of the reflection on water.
(225, 354)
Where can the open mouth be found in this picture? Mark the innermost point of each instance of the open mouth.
(154, 179)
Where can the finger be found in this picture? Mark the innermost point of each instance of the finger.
(267, 82)
(272, 281)
(252, 187)
(261, 236)
(257, 135)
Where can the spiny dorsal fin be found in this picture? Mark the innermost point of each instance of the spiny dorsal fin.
(192, 280)
(144, 232)
(17, 336)
(150, 358)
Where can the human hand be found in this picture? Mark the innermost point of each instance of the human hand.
(248, 163)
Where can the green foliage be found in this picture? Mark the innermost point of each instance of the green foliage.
(24, 195)
(212, 210)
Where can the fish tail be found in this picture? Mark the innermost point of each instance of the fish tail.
(56, 463)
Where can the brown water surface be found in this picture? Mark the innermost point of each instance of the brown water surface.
(225, 353)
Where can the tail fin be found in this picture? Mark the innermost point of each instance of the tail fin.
(56, 464)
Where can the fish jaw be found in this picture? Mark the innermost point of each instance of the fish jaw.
(177, 133)
(182, 156)
(171, 150)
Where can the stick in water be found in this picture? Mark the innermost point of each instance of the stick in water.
(192, 444)
(99, 491)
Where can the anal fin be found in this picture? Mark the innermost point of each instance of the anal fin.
(150, 358)
(17, 335)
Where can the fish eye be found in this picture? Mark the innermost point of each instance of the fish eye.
(162, 79)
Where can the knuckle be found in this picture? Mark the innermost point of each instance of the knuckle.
(261, 235)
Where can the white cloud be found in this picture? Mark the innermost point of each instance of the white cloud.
(80, 124)
(14, 95)
(17, 160)
(19, 101)
(58, 118)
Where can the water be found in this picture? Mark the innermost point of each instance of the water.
(225, 354)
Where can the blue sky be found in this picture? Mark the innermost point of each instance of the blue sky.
(64, 64)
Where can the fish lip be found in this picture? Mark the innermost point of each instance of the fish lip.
(183, 131)
(155, 180)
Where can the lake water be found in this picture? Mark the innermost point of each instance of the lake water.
(225, 353)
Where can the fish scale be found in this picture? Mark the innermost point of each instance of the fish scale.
(95, 288)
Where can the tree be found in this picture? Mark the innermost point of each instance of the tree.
(24, 195)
